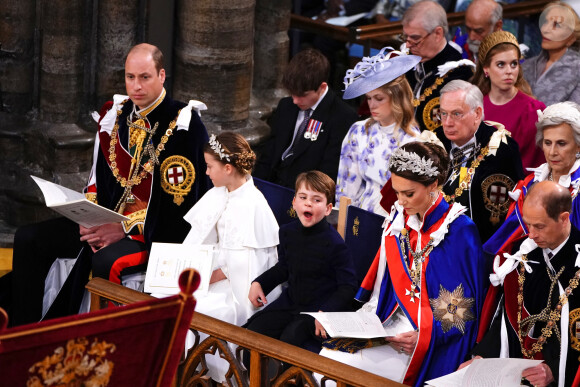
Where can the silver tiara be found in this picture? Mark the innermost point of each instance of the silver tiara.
(411, 161)
(217, 148)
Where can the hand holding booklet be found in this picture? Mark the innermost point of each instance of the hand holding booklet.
(486, 372)
(358, 325)
(75, 206)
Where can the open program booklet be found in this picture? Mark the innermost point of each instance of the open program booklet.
(358, 325)
(168, 260)
(75, 206)
(486, 372)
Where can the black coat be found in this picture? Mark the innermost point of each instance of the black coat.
(318, 267)
(164, 221)
(536, 290)
(322, 155)
(506, 162)
(426, 112)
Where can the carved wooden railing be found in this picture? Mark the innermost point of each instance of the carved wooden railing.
(266, 354)
(377, 35)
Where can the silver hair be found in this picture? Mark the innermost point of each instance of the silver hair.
(473, 96)
(430, 13)
(559, 113)
(496, 11)
(496, 14)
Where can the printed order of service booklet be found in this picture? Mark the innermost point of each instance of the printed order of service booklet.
(75, 206)
(359, 325)
(168, 260)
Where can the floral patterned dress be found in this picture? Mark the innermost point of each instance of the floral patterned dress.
(364, 161)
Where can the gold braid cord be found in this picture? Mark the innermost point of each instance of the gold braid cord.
(552, 317)
(428, 91)
(136, 175)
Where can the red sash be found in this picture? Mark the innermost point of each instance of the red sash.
(420, 310)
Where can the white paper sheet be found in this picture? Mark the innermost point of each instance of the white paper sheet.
(168, 260)
(486, 373)
(75, 206)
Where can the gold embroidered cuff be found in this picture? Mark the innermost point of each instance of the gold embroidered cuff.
(137, 218)
(92, 196)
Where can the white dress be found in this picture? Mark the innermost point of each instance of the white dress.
(364, 163)
(243, 228)
(245, 232)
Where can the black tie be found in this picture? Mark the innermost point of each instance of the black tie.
(299, 134)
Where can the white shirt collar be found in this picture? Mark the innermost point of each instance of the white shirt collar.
(471, 141)
(555, 251)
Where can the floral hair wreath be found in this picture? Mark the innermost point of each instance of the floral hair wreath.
(411, 161)
(217, 148)
(244, 160)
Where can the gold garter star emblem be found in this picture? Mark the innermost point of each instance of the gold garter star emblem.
(452, 309)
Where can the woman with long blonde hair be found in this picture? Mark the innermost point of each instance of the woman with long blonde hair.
(369, 143)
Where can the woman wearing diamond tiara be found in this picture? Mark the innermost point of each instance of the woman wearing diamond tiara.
(427, 281)
(234, 216)
(369, 143)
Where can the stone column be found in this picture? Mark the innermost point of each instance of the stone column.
(213, 58)
(271, 44)
(62, 60)
(117, 33)
(17, 22)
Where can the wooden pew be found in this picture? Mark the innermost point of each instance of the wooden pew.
(264, 351)
(380, 34)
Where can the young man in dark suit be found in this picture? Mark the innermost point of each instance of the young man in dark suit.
(308, 127)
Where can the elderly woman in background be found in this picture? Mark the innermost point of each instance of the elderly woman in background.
(369, 144)
(506, 93)
(553, 75)
(426, 283)
(558, 135)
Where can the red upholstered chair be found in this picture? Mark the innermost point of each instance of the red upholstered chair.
(135, 345)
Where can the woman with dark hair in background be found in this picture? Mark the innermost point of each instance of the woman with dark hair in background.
(506, 94)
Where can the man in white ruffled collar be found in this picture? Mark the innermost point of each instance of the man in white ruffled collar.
(148, 166)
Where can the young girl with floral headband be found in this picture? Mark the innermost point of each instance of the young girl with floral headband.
(234, 216)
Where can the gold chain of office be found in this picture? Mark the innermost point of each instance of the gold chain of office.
(147, 168)
(428, 91)
(552, 317)
(464, 184)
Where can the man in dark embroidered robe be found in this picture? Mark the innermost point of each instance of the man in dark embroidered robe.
(425, 28)
(485, 161)
(148, 165)
(547, 266)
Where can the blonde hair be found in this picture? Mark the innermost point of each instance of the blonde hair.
(401, 96)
